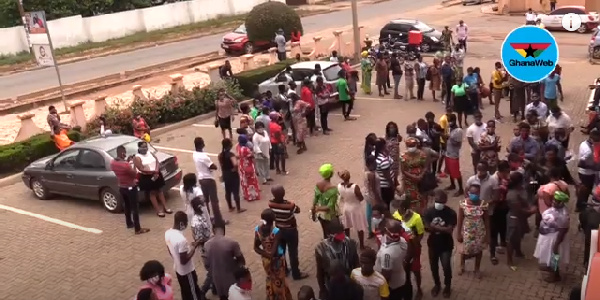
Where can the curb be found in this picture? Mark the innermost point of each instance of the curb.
(10, 180)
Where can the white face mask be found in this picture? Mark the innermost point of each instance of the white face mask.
(260, 131)
(411, 149)
(375, 222)
(439, 206)
(154, 280)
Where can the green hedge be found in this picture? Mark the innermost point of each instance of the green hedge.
(16, 156)
(249, 80)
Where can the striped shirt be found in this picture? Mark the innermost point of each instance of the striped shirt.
(384, 162)
(284, 213)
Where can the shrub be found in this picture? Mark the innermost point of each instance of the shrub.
(249, 80)
(16, 156)
(265, 19)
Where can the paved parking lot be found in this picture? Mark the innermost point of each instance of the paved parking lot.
(93, 256)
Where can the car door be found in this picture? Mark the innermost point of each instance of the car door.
(403, 30)
(92, 174)
(60, 173)
(554, 19)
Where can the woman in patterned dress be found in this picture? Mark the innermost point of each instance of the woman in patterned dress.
(473, 229)
(393, 139)
(267, 243)
(413, 164)
(299, 121)
(249, 180)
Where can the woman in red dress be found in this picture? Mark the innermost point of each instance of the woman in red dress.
(249, 180)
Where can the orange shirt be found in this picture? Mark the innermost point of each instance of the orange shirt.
(273, 129)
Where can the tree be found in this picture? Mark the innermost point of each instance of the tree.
(265, 19)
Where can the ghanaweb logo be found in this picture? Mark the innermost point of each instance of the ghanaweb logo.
(527, 61)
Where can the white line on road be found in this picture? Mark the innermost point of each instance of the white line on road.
(341, 115)
(51, 220)
(209, 126)
(179, 150)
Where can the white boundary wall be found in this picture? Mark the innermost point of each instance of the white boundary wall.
(74, 30)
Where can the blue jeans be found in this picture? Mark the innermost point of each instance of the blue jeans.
(397, 84)
(369, 216)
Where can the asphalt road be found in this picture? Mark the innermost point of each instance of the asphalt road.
(31, 81)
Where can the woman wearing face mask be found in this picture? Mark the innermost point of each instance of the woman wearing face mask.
(325, 201)
(414, 165)
(262, 145)
(242, 288)
(352, 209)
(518, 211)
(150, 178)
(230, 175)
(473, 229)
(249, 180)
(553, 246)
(384, 171)
(154, 278)
(267, 243)
(393, 139)
(372, 191)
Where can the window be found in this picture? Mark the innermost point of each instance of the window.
(91, 160)
(422, 27)
(66, 160)
(561, 11)
(241, 29)
(331, 73)
(300, 74)
(131, 148)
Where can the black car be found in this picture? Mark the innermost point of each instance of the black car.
(398, 29)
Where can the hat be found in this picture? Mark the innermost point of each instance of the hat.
(326, 171)
(561, 197)
(364, 54)
(274, 115)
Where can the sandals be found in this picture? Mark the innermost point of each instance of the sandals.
(160, 214)
(168, 211)
(142, 230)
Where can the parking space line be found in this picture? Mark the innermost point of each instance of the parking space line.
(179, 150)
(50, 220)
(341, 115)
(209, 126)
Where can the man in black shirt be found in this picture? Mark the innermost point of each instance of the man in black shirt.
(341, 287)
(225, 71)
(440, 221)
(396, 68)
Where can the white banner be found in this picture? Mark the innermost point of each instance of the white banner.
(43, 55)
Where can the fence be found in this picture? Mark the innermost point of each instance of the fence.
(74, 30)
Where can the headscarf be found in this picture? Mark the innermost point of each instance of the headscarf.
(561, 197)
(344, 175)
(412, 140)
(274, 115)
(243, 140)
(364, 54)
(326, 171)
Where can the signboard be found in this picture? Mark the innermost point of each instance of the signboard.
(36, 22)
(43, 55)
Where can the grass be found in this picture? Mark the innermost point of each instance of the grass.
(12, 62)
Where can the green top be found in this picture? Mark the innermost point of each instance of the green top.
(254, 112)
(328, 198)
(342, 87)
(459, 90)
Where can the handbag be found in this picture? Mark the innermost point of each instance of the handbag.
(216, 123)
(428, 183)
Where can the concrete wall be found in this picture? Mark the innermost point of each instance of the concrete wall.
(516, 6)
(75, 30)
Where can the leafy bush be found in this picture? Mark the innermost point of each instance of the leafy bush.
(265, 19)
(16, 156)
(249, 80)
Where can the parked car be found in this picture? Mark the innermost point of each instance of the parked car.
(553, 21)
(399, 29)
(300, 71)
(465, 2)
(594, 48)
(83, 171)
(237, 42)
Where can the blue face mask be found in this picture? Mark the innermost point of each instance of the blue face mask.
(474, 197)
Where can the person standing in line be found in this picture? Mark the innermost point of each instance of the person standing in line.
(473, 229)
(471, 80)
(498, 79)
(540, 107)
(518, 212)
(182, 254)
(459, 101)
(412, 220)
(352, 209)
(384, 171)
(208, 184)
(409, 80)
(374, 285)
(421, 70)
(396, 68)
(280, 41)
(224, 113)
(201, 225)
(189, 191)
(474, 133)
(278, 148)
(366, 68)
(391, 258)
(266, 120)
(552, 5)
(246, 169)
(306, 94)
(393, 139)
(306, 292)
(285, 219)
(452, 157)
(262, 149)
(322, 95)
(325, 201)
(559, 119)
(372, 191)
(445, 133)
(587, 168)
(494, 192)
(150, 178)
(462, 32)
(525, 143)
(440, 221)
(448, 78)
(299, 111)
(352, 89)
(223, 258)
(489, 146)
(230, 176)
(435, 78)
(382, 75)
(126, 177)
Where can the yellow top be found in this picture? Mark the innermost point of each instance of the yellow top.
(414, 222)
(497, 76)
(445, 127)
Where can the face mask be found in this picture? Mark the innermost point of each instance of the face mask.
(375, 222)
(478, 122)
(261, 131)
(246, 286)
(474, 197)
(411, 149)
(142, 151)
(154, 280)
(439, 206)
(339, 237)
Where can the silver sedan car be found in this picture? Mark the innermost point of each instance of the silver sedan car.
(300, 71)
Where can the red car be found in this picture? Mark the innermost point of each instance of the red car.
(237, 42)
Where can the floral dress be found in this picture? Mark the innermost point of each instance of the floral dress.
(473, 229)
(393, 147)
(299, 119)
(248, 177)
(276, 284)
(490, 156)
(413, 164)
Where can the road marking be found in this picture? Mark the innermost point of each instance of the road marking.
(179, 150)
(51, 220)
(210, 126)
(341, 115)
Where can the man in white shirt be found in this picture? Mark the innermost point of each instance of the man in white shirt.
(587, 168)
(182, 252)
(462, 32)
(530, 17)
(204, 168)
(390, 259)
(474, 133)
(537, 105)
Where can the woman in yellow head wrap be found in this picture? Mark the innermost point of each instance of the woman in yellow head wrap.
(366, 68)
(324, 206)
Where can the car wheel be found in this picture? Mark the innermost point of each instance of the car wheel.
(425, 47)
(111, 200)
(39, 190)
(228, 52)
(248, 48)
(582, 29)
(596, 52)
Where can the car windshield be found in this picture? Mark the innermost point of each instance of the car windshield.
(423, 27)
(331, 73)
(241, 29)
(131, 148)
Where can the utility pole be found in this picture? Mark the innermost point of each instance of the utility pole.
(25, 25)
(355, 30)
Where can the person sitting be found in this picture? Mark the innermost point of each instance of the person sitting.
(225, 70)
(61, 139)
